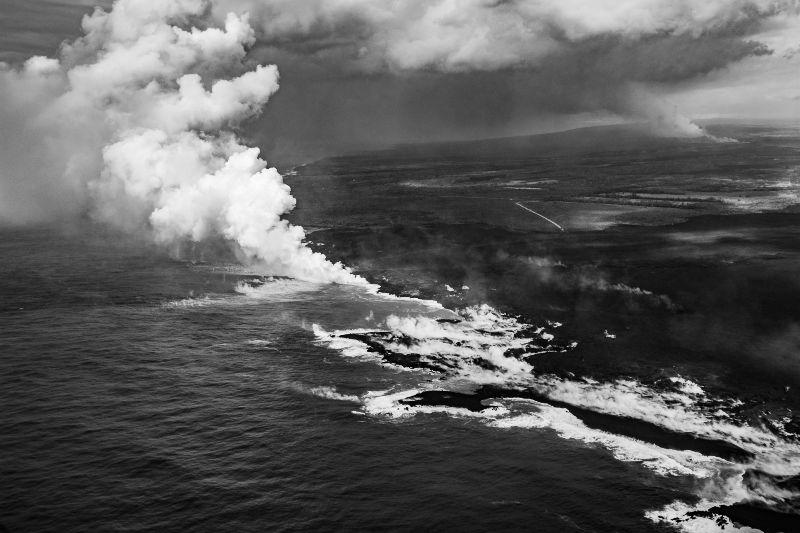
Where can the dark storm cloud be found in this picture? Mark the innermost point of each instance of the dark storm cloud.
(594, 74)
(661, 59)
(482, 35)
(367, 71)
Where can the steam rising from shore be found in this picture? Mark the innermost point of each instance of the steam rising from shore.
(134, 123)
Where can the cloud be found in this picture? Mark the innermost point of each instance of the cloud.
(419, 70)
(448, 35)
(355, 71)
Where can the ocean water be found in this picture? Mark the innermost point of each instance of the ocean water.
(638, 371)
(128, 406)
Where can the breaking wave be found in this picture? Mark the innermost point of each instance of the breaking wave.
(329, 393)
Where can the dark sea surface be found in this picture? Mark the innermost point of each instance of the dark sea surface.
(637, 371)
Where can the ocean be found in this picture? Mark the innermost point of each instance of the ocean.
(589, 331)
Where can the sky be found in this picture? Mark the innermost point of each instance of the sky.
(37, 27)
(453, 69)
(370, 72)
(166, 118)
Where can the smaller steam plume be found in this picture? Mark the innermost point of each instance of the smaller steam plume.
(663, 118)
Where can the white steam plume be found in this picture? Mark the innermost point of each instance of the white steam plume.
(133, 122)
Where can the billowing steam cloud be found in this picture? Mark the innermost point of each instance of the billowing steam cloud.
(133, 123)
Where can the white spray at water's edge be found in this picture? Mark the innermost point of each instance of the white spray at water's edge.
(137, 117)
(463, 349)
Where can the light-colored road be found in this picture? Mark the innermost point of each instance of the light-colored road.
(539, 215)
